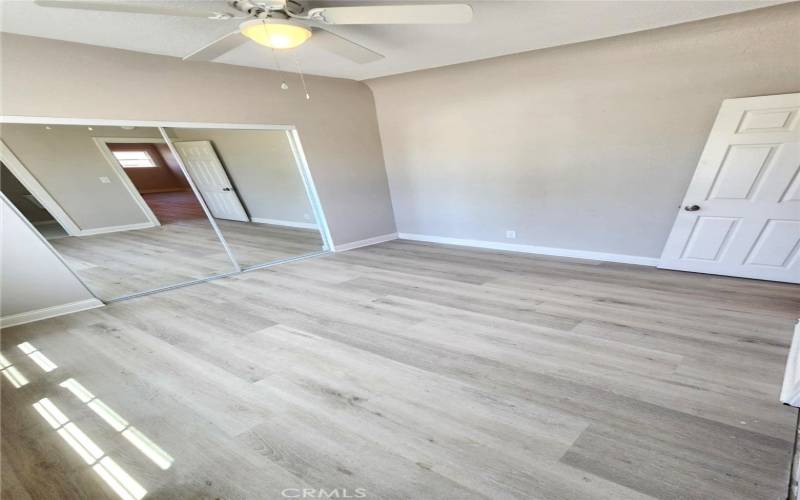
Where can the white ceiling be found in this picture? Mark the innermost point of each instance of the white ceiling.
(498, 28)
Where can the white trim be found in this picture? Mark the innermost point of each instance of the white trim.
(102, 145)
(49, 312)
(99, 122)
(311, 188)
(286, 223)
(23, 175)
(515, 247)
(342, 247)
(114, 229)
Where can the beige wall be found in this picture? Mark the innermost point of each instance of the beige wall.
(337, 126)
(589, 146)
(262, 168)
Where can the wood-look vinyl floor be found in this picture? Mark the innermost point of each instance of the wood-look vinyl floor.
(122, 263)
(408, 370)
(174, 206)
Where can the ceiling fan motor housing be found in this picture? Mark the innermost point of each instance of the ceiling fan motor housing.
(258, 8)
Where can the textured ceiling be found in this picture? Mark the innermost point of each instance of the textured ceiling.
(498, 28)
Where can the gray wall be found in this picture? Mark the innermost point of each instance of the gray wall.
(337, 126)
(27, 287)
(68, 164)
(262, 167)
(589, 146)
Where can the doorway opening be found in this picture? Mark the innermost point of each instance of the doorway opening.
(157, 176)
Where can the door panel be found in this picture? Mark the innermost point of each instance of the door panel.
(740, 172)
(777, 244)
(212, 181)
(709, 238)
(741, 213)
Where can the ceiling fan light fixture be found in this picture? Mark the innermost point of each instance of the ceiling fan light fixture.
(275, 35)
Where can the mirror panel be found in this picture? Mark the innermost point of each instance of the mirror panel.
(113, 201)
(254, 189)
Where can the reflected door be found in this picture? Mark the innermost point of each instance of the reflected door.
(212, 181)
(741, 214)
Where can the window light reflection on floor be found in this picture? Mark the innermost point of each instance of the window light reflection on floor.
(11, 373)
(37, 356)
(115, 476)
(137, 438)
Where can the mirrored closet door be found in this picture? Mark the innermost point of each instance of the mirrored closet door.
(113, 202)
(254, 187)
(139, 209)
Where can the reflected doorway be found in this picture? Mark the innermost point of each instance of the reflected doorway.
(29, 206)
(158, 177)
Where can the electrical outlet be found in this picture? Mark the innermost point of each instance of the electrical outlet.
(105, 180)
(511, 235)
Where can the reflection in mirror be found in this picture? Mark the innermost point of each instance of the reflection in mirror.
(254, 189)
(113, 202)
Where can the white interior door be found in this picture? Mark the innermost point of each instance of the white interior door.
(741, 213)
(211, 180)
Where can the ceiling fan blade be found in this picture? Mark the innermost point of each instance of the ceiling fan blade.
(135, 8)
(394, 14)
(218, 47)
(343, 47)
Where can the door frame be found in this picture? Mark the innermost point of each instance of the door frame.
(102, 145)
(38, 191)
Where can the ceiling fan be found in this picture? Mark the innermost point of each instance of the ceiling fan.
(285, 24)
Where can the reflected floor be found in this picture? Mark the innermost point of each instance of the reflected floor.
(256, 243)
(125, 262)
(412, 371)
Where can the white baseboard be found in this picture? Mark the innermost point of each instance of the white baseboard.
(114, 229)
(49, 312)
(287, 223)
(363, 243)
(515, 247)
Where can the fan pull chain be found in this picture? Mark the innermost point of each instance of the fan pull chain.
(302, 78)
(284, 85)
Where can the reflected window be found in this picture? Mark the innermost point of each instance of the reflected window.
(134, 159)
